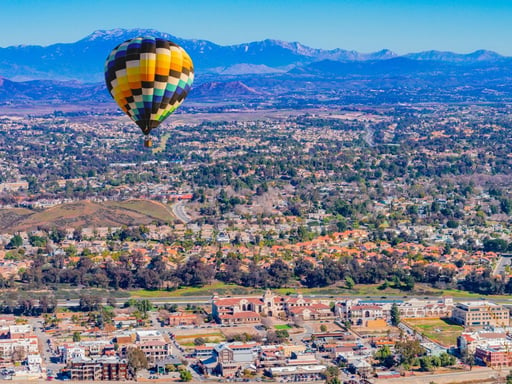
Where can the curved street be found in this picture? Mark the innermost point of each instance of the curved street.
(178, 209)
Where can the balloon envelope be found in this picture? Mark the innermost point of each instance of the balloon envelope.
(148, 78)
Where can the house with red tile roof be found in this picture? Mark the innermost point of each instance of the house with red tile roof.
(181, 318)
(239, 309)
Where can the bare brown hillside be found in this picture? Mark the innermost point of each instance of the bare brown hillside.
(86, 214)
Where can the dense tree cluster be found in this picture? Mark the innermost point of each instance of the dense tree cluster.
(486, 284)
(132, 271)
(21, 304)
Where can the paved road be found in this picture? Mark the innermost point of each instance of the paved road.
(298, 337)
(175, 347)
(207, 299)
(44, 346)
(501, 264)
(368, 136)
(155, 300)
(179, 211)
(478, 374)
(181, 300)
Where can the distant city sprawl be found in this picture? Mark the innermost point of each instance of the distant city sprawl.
(388, 195)
(312, 244)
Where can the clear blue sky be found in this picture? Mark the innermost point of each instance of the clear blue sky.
(363, 25)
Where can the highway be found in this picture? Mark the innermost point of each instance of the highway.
(198, 300)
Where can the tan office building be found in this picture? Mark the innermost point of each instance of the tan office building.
(480, 313)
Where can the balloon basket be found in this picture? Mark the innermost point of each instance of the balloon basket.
(148, 143)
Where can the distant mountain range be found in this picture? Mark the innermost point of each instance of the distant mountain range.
(50, 91)
(84, 59)
(286, 72)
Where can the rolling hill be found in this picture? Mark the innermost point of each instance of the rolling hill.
(86, 214)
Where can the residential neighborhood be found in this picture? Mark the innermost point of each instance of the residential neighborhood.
(303, 242)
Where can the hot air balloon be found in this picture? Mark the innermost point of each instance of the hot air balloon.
(148, 78)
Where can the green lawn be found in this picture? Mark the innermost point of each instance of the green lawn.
(207, 290)
(443, 331)
(360, 290)
(282, 326)
(373, 290)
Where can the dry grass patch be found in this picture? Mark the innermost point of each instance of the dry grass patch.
(444, 331)
(232, 331)
(154, 209)
(188, 340)
(329, 325)
(86, 214)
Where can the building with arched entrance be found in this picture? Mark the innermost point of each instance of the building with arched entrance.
(269, 305)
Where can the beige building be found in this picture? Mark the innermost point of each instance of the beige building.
(103, 368)
(363, 312)
(480, 313)
(155, 350)
(246, 317)
(468, 341)
(153, 344)
(359, 315)
(312, 312)
(289, 349)
(417, 308)
(18, 349)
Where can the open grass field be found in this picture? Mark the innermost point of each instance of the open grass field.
(361, 290)
(282, 327)
(232, 289)
(443, 331)
(219, 287)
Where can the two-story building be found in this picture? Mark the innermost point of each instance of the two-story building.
(240, 310)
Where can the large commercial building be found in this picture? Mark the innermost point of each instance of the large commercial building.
(154, 345)
(468, 341)
(298, 373)
(103, 368)
(480, 313)
(17, 342)
(363, 312)
(240, 310)
(494, 357)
